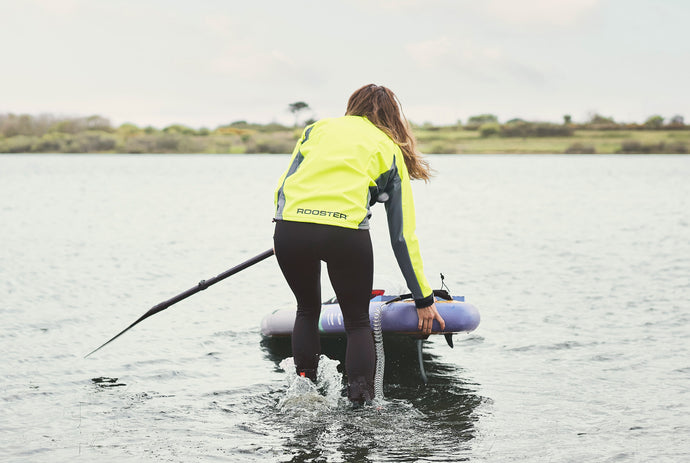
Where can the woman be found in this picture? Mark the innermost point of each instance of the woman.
(339, 169)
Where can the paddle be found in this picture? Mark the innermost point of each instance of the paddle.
(203, 284)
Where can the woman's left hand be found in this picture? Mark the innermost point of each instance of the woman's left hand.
(427, 315)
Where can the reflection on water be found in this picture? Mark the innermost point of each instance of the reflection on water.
(433, 422)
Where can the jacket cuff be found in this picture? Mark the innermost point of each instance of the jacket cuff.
(425, 302)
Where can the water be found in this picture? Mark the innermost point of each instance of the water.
(579, 265)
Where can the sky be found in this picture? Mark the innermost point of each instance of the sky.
(206, 63)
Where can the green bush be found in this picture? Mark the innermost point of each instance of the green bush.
(128, 130)
(474, 122)
(440, 147)
(51, 143)
(637, 147)
(580, 148)
(654, 122)
(179, 129)
(190, 145)
(271, 143)
(489, 129)
(167, 143)
(90, 142)
(535, 129)
(677, 121)
(138, 144)
(17, 144)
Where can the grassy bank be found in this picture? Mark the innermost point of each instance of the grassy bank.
(27, 134)
(445, 140)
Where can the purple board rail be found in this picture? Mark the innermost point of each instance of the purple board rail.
(396, 317)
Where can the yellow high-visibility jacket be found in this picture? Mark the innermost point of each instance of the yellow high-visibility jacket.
(339, 168)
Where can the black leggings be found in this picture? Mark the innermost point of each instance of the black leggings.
(300, 248)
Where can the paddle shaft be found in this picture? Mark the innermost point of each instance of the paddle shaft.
(203, 284)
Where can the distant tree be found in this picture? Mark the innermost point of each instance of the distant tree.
(128, 130)
(12, 125)
(598, 119)
(179, 129)
(70, 125)
(677, 120)
(474, 122)
(296, 108)
(41, 124)
(567, 119)
(654, 122)
(96, 122)
(535, 129)
(25, 125)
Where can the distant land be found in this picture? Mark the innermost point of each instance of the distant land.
(482, 134)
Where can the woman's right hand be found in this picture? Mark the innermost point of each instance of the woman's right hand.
(426, 316)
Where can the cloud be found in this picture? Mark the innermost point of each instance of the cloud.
(430, 53)
(248, 63)
(474, 61)
(404, 4)
(58, 7)
(541, 12)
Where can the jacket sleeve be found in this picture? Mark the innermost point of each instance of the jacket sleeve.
(401, 226)
(295, 160)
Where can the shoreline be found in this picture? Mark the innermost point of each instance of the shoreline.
(257, 139)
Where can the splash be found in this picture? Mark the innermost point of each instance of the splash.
(302, 394)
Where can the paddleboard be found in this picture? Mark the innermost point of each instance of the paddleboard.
(398, 317)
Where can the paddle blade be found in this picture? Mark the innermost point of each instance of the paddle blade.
(203, 284)
(146, 315)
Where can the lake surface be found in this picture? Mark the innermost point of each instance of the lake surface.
(579, 265)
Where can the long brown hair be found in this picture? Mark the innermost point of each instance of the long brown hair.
(380, 105)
